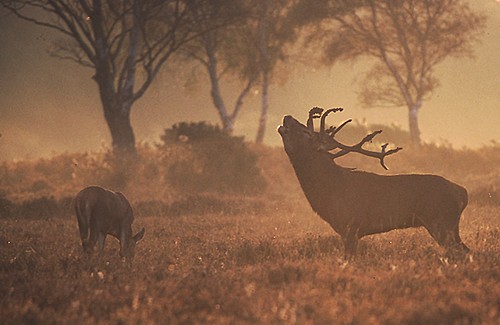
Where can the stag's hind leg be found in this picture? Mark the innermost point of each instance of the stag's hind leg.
(441, 221)
(447, 236)
(459, 242)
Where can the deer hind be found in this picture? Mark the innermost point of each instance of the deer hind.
(101, 212)
(357, 203)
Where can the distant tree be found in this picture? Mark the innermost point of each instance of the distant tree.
(250, 48)
(124, 42)
(408, 38)
(272, 30)
(224, 49)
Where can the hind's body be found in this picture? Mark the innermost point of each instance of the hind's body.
(101, 212)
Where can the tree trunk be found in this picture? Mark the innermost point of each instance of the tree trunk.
(217, 99)
(413, 123)
(264, 68)
(227, 121)
(265, 106)
(117, 116)
(122, 134)
(116, 103)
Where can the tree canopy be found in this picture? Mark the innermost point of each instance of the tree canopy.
(407, 39)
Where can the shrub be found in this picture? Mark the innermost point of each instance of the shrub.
(203, 204)
(6, 208)
(215, 161)
(36, 208)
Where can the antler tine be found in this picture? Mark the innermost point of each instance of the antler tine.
(369, 138)
(359, 149)
(314, 112)
(332, 130)
(327, 141)
(387, 153)
(325, 114)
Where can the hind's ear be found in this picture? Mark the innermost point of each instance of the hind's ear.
(139, 235)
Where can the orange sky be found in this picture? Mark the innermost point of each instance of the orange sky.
(51, 106)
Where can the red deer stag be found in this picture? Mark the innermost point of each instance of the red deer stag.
(357, 203)
(101, 212)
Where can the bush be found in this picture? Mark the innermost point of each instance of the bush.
(207, 204)
(36, 208)
(6, 208)
(215, 162)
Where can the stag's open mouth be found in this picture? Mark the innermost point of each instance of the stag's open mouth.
(283, 129)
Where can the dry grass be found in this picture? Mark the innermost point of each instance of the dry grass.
(281, 266)
(275, 263)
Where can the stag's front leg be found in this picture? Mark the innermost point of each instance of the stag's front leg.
(350, 244)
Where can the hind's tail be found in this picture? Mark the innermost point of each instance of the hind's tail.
(83, 217)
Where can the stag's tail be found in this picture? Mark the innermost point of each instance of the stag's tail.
(463, 198)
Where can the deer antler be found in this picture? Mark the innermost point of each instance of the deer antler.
(315, 112)
(325, 114)
(345, 149)
(359, 149)
(332, 130)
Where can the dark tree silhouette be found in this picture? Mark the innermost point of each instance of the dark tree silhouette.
(124, 42)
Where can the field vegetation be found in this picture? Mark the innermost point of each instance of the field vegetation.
(258, 254)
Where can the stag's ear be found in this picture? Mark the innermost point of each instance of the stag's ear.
(139, 235)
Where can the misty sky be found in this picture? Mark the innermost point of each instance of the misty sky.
(51, 106)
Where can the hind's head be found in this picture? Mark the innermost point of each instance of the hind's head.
(128, 247)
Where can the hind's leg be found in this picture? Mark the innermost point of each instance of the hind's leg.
(83, 229)
(89, 245)
(101, 238)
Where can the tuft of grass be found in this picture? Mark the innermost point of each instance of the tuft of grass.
(223, 258)
(274, 266)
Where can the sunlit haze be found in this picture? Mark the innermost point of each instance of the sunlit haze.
(51, 106)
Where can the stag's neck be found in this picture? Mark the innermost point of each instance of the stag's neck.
(317, 172)
(323, 181)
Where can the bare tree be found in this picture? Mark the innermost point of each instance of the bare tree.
(223, 47)
(272, 33)
(124, 42)
(357, 203)
(408, 38)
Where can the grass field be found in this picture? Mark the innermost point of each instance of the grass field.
(260, 259)
(282, 265)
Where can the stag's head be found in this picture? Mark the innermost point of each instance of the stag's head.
(300, 139)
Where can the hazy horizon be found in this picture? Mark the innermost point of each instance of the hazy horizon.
(52, 106)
